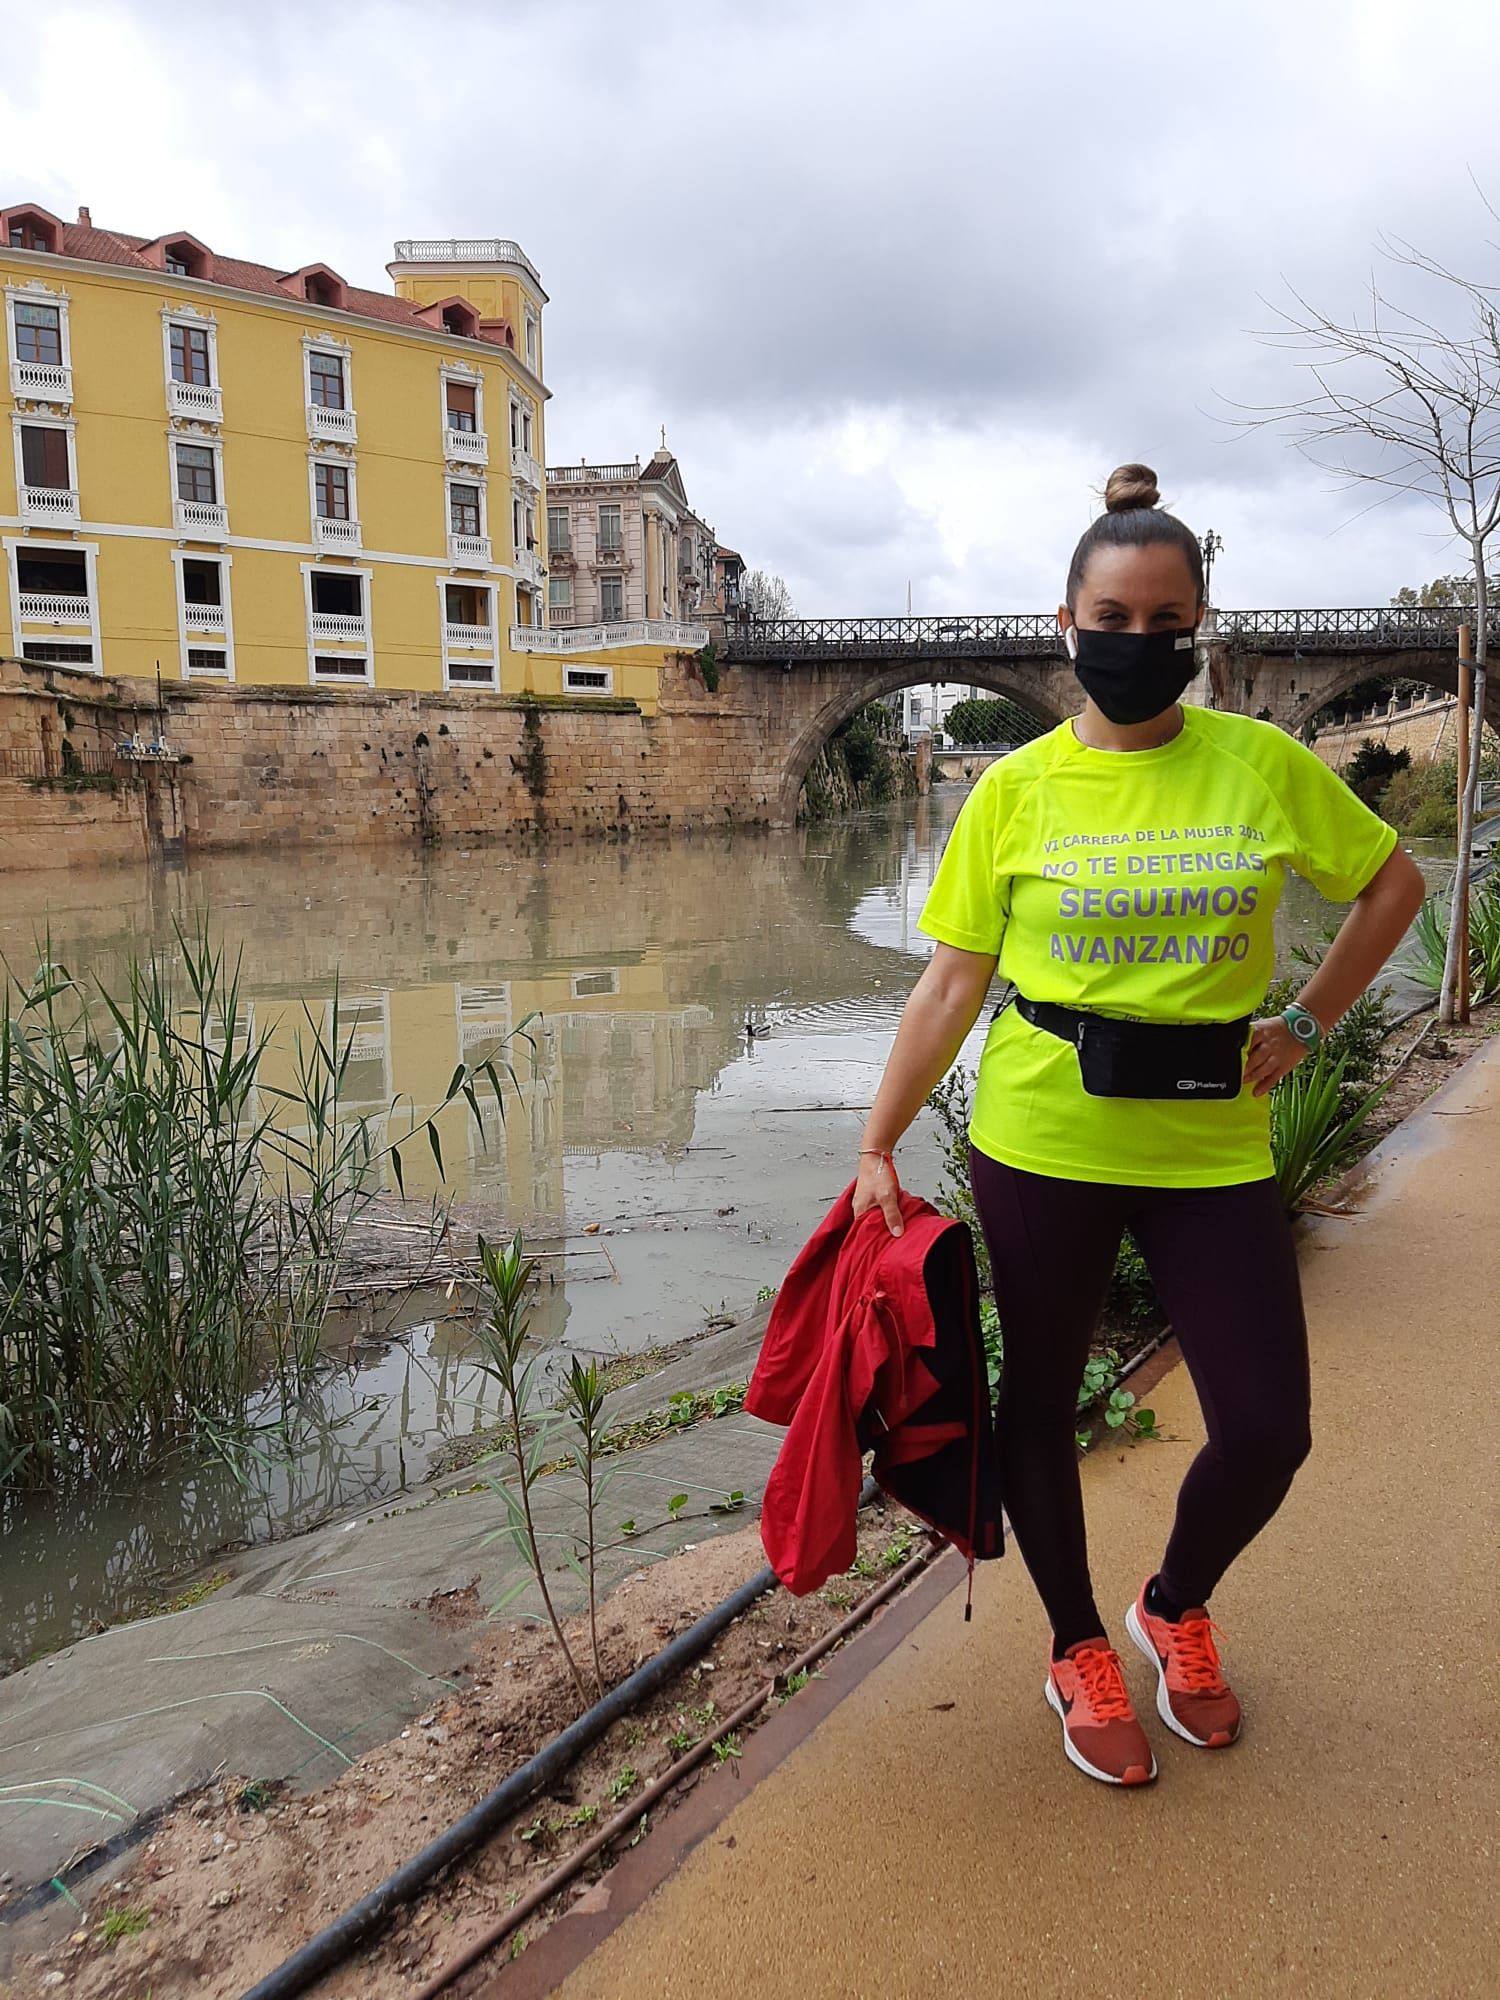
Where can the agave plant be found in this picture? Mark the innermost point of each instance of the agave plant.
(1313, 1133)
(1429, 939)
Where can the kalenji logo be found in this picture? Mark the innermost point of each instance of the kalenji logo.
(1192, 1083)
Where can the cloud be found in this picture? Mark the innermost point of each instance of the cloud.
(902, 283)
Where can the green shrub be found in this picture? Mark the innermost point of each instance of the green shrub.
(1372, 767)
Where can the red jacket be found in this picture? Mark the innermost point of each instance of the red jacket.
(874, 1343)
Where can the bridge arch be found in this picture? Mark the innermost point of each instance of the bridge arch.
(1327, 681)
(1048, 692)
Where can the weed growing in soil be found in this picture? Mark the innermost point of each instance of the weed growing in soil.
(726, 1748)
(502, 1343)
(623, 1783)
(129, 1922)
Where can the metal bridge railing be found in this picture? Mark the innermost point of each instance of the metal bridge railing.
(1387, 629)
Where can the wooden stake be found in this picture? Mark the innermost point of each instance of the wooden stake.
(1465, 703)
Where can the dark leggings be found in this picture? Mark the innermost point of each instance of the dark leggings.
(1225, 1271)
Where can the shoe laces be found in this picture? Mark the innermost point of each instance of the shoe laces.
(1102, 1684)
(1195, 1657)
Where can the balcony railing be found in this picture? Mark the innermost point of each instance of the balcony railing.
(624, 632)
(470, 551)
(525, 468)
(41, 381)
(464, 250)
(472, 447)
(344, 626)
(469, 638)
(323, 421)
(55, 607)
(203, 617)
(585, 475)
(201, 517)
(342, 537)
(55, 506)
(200, 400)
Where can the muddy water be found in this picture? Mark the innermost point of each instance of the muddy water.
(703, 1153)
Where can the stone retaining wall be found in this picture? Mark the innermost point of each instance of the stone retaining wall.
(260, 766)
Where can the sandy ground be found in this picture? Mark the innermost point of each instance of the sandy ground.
(231, 1885)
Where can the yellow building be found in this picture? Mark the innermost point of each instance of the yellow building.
(278, 479)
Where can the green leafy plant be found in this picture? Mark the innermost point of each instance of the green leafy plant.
(726, 1748)
(766, 1294)
(501, 1337)
(708, 666)
(1312, 1134)
(676, 1504)
(1429, 940)
(123, 1923)
(623, 1783)
(583, 1401)
(681, 1741)
(730, 1504)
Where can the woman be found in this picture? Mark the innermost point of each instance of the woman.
(1123, 871)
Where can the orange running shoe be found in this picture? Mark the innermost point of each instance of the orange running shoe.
(1192, 1695)
(1100, 1732)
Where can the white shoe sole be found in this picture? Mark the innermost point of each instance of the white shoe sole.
(1075, 1756)
(1138, 1633)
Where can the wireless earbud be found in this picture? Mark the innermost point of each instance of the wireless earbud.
(1070, 640)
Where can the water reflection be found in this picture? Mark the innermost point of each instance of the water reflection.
(641, 1106)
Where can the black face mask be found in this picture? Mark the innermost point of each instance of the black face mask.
(1132, 676)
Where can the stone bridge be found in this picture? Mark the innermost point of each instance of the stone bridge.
(809, 676)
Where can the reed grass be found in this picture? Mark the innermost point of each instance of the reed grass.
(171, 1222)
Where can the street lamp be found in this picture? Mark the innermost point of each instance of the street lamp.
(1210, 545)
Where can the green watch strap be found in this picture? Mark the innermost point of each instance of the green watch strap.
(1304, 1024)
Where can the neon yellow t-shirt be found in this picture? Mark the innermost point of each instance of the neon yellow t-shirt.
(1140, 884)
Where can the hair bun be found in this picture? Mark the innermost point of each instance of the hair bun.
(1131, 486)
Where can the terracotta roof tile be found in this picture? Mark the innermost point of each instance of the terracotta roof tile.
(111, 246)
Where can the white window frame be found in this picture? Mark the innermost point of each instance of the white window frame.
(204, 641)
(470, 378)
(611, 576)
(205, 441)
(344, 433)
(17, 545)
(601, 547)
(533, 338)
(68, 426)
(452, 479)
(470, 658)
(35, 292)
(560, 583)
(200, 322)
(315, 458)
(337, 646)
(570, 685)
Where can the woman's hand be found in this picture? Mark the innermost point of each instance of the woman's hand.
(1274, 1053)
(876, 1186)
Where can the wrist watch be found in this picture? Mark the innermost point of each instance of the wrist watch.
(1304, 1025)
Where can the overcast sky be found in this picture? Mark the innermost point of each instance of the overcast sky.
(903, 279)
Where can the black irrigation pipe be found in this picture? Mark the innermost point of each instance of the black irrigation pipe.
(347, 1932)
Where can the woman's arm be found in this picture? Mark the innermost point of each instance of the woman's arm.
(1367, 937)
(939, 1012)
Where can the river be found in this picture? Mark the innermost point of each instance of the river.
(676, 1159)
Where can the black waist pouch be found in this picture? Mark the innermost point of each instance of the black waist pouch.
(1191, 1063)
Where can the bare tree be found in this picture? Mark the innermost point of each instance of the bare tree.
(1401, 402)
(767, 595)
